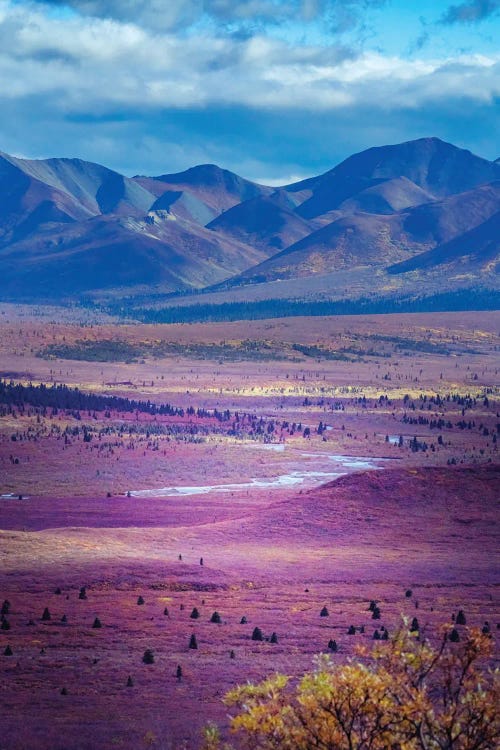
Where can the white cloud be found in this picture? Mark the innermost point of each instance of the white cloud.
(143, 100)
(101, 65)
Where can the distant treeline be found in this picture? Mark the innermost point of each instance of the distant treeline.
(60, 396)
(467, 299)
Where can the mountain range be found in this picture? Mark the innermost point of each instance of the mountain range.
(421, 214)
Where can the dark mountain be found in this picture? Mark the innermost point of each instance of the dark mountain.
(383, 220)
(437, 168)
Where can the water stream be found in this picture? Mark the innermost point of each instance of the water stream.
(293, 478)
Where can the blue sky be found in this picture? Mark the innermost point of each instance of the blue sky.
(272, 89)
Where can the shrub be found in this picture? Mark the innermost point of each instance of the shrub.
(194, 614)
(165, 611)
(454, 636)
(408, 694)
(352, 630)
(243, 620)
(376, 615)
(64, 691)
(332, 645)
(140, 600)
(408, 593)
(83, 593)
(8, 651)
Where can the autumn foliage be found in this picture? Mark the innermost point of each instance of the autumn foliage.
(405, 694)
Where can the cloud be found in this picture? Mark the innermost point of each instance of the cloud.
(472, 11)
(102, 65)
(177, 14)
(144, 100)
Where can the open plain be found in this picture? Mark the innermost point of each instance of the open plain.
(302, 463)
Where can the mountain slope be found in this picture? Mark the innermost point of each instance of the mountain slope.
(201, 193)
(110, 252)
(475, 250)
(268, 222)
(362, 239)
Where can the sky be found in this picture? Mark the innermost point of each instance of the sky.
(274, 90)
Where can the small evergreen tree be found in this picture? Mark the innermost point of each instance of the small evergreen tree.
(216, 618)
(193, 643)
(274, 638)
(461, 618)
(8, 651)
(140, 600)
(130, 682)
(332, 645)
(148, 656)
(83, 593)
(194, 614)
(454, 636)
(257, 634)
(324, 612)
(46, 614)
(97, 623)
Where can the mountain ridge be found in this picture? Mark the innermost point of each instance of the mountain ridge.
(70, 227)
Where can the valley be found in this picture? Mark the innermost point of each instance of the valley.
(262, 470)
